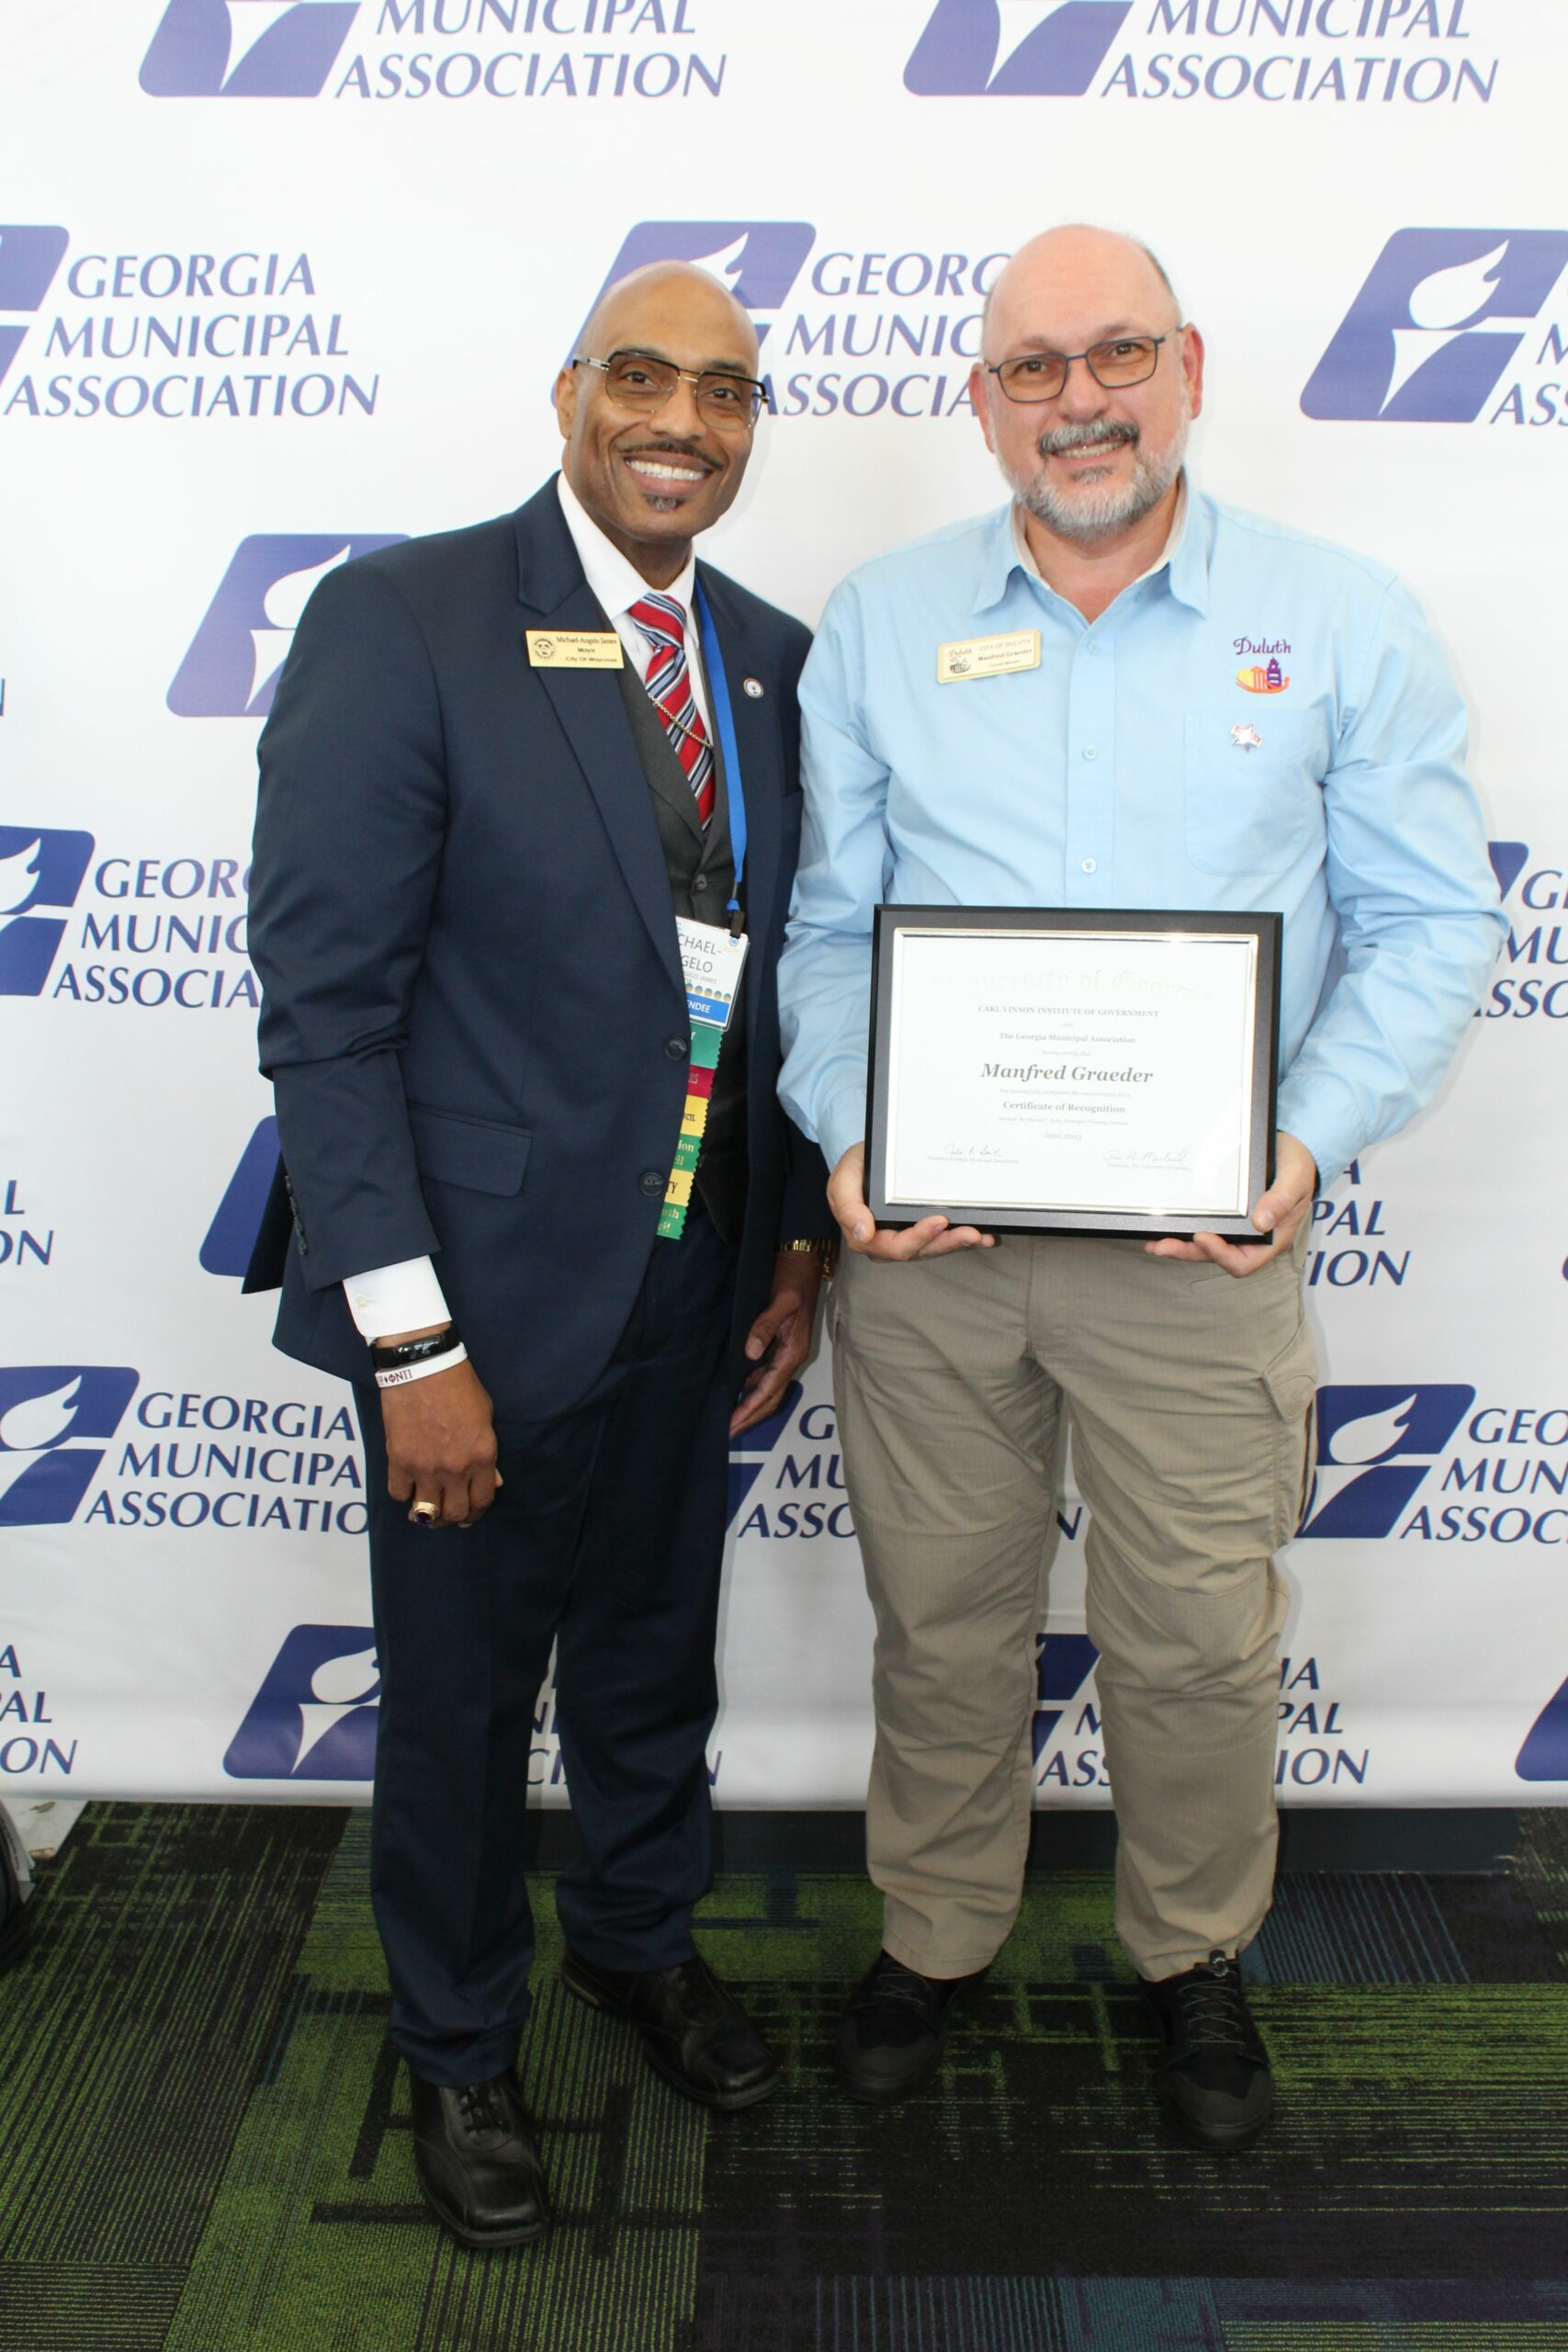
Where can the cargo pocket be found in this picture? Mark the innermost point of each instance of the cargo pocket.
(1291, 1383)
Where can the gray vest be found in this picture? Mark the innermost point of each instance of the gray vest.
(701, 868)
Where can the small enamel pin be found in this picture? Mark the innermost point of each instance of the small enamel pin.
(1245, 738)
(753, 686)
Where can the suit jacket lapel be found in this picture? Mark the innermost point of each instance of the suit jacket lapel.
(553, 592)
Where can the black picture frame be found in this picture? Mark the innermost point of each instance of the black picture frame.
(1266, 928)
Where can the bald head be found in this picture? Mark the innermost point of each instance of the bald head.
(1091, 445)
(665, 291)
(653, 473)
(1078, 272)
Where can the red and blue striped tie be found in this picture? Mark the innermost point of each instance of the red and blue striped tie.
(662, 621)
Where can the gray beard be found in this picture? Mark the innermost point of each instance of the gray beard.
(1089, 516)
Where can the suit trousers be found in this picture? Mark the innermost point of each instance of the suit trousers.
(1188, 1394)
(606, 1539)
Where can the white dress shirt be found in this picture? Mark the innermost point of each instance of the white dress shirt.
(407, 1296)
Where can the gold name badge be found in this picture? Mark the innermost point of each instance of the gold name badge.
(574, 649)
(987, 657)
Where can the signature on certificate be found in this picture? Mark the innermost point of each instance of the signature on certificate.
(968, 1151)
(1119, 1156)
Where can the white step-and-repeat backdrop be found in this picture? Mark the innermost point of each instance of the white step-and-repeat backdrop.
(283, 279)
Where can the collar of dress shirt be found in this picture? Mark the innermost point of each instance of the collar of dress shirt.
(1185, 550)
(614, 580)
(1173, 539)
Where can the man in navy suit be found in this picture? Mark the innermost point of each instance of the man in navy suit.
(521, 784)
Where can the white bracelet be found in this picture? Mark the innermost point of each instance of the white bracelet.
(403, 1372)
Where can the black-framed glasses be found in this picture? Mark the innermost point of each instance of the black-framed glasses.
(1043, 375)
(634, 380)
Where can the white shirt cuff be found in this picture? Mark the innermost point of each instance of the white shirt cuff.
(404, 1297)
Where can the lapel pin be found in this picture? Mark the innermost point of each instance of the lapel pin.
(1245, 738)
(753, 686)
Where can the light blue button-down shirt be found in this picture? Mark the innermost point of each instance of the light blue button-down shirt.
(1263, 721)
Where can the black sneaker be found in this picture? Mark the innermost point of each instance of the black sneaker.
(890, 2037)
(1213, 2070)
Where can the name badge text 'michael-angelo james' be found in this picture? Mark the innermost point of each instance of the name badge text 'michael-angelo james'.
(987, 657)
(574, 649)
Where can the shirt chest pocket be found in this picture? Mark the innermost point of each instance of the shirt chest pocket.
(1252, 790)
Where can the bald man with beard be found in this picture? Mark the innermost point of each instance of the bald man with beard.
(1143, 758)
(549, 1221)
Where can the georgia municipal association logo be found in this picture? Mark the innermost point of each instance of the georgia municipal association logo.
(1291, 52)
(1544, 1756)
(173, 925)
(759, 259)
(180, 318)
(1440, 315)
(46, 1412)
(226, 1248)
(314, 1717)
(231, 670)
(29, 255)
(245, 48)
(750, 1452)
(874, 328)
(1531, 976)
(417, 50)
(1064, 1664)
(41, 873)
(1375, 1446)
(978, 48)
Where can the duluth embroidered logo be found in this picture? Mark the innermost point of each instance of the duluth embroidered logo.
(1261, 672)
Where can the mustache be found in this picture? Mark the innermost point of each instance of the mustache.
(1111, 435)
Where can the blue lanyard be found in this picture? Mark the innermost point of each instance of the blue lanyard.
(718, 688)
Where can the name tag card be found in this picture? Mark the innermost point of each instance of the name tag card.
(987, 657)
(712, 962)
(574, 649)
(1054, 1069)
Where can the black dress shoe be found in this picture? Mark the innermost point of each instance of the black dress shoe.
(1213, 2070)
(891, 2035)
(478, 2163)
(695, 2032)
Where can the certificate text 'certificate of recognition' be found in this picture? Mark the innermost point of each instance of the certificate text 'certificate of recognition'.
(1110, 1073)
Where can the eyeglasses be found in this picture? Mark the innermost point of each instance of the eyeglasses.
(1043, 375)
(635, 380)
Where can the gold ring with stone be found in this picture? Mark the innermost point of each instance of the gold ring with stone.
(426, 1513)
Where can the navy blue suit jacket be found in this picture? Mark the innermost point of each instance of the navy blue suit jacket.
(473, 1014)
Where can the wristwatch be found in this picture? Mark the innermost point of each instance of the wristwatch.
(825, 1251)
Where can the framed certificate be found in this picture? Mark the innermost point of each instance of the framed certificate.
(1058, 1069)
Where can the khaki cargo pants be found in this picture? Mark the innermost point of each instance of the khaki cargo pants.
(1189, 1398)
